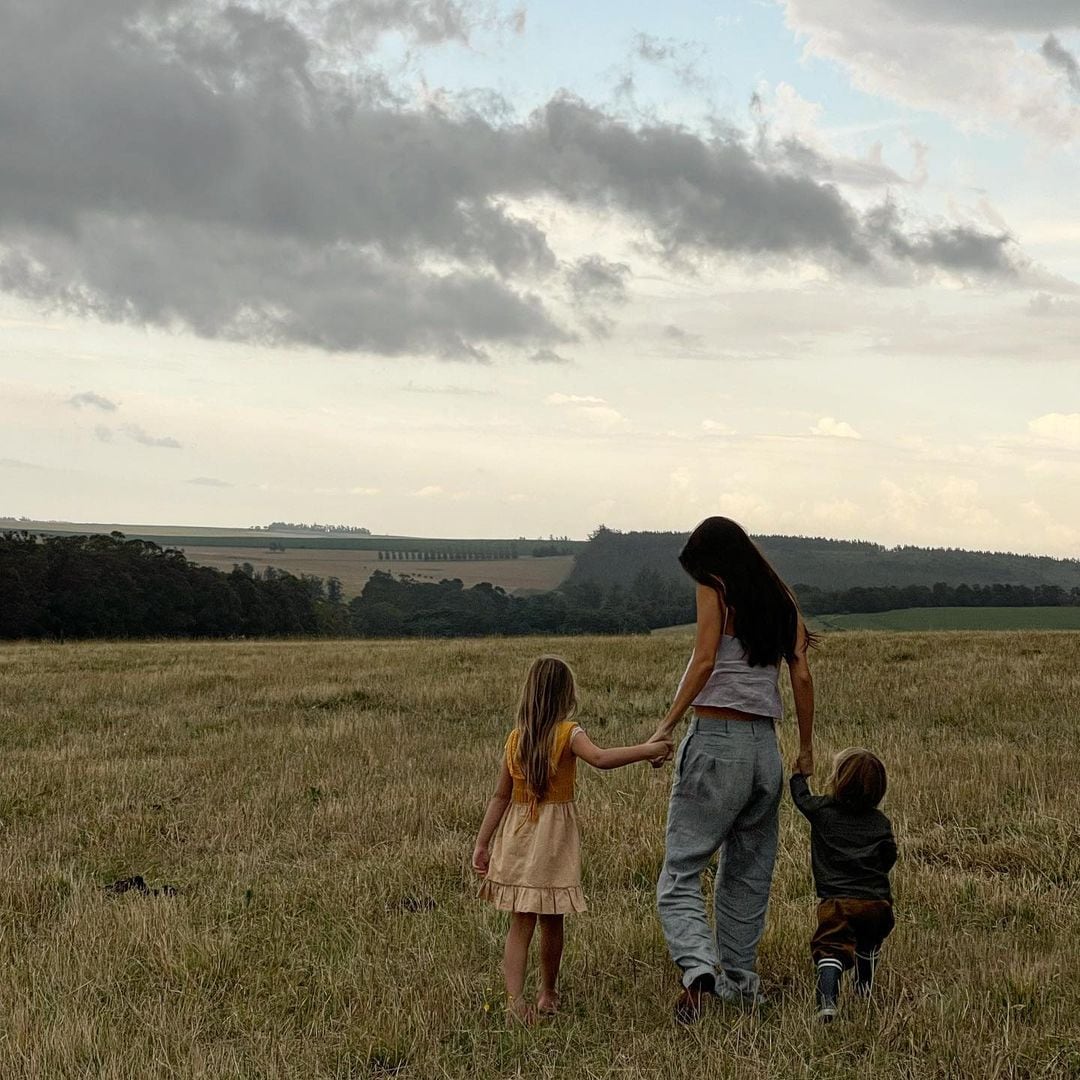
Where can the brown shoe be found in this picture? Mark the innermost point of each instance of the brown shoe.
(690, 1004)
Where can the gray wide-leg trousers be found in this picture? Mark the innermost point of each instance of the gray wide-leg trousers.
(725, 797)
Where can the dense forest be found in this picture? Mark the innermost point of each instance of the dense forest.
(616, 557)
(109, 586)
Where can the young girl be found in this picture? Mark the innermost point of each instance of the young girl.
(852, 851)
(533, 867)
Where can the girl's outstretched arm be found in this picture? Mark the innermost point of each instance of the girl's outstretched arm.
(616, 757)
(496, 807)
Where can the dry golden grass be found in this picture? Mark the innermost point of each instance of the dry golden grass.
(315, 803)
(355, 567)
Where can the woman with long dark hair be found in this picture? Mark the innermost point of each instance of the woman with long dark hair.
(728, 776)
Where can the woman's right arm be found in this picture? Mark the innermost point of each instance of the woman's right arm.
(802, 689)
(710, 624)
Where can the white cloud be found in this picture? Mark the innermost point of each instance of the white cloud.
(1063, 428)
(1057, 533)
(831, 428)
(837, 512)
(716, 427)
(791, 133)
(209, 481)
(430, 491)
(959, 60)
(904, 506)
(573, 399)
(595, 410)
(365, 491)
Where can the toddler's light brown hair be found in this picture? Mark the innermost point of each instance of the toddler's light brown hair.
(858, 779)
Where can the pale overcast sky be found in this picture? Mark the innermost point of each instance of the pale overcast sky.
(492, 269)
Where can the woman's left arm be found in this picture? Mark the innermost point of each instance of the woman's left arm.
(802, 689)
(709, 626)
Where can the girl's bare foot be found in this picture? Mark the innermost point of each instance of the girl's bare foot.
(519, 1011)
(547, 1004)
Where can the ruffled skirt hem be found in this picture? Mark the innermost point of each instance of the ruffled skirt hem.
(545, 901)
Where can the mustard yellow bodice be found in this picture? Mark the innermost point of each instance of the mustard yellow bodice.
(563, 767)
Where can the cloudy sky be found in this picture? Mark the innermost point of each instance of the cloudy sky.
(480, 268)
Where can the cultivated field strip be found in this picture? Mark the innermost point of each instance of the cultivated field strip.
(314, 804)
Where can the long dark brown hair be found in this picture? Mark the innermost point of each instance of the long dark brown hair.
(721, 555)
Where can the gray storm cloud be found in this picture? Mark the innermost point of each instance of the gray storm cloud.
(1058, 56)
(216, 168)
(92, 399)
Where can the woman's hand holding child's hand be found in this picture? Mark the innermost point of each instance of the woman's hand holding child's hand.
(664, 743)
(481, 857)
(804, 763)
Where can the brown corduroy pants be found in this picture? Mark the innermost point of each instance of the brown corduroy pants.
(850, 926)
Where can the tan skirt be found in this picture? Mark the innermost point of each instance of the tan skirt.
(536, 865)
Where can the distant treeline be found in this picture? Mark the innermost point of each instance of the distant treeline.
(108, 586)
(395, 607)
(60, 587)
(99, 586)
(612, 557)
(417, 547)
(314, 527)
(469, 552)
(448, 554)
(868, 599)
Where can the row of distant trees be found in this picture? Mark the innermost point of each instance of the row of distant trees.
(447, 554)
(312, 527)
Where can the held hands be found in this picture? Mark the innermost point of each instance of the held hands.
(665, 748)
(481, 857)
(804, 763)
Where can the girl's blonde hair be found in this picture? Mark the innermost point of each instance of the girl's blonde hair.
(858, 778)
(548, 696)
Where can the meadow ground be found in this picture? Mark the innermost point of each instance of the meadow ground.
(315, 805)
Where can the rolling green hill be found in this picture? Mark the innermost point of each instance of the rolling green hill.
(617, 558)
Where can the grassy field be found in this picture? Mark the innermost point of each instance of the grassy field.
(315, 806)
(1004, 618)
(355, 567)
